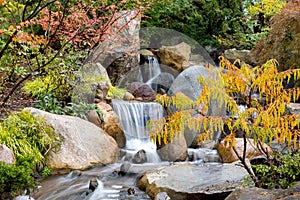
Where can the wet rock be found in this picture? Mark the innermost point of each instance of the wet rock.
(83, 144)
(131, 191)
(112, 124)
(162, 82)
(162, 196)
(6, 155)
(76, 173)
(128, 96)
(142, 90)
(124, 168)
(212, 158)
(140, 157)
(173, 151)
(93, 184)
(120, 66)
(228, 155)
(145, 52)
(175, 56)
(292, 193)
(188, 181)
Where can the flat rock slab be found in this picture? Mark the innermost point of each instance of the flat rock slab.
(189, 181)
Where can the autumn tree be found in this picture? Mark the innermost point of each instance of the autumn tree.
(259, 89)
(283, 39)
(40, 38)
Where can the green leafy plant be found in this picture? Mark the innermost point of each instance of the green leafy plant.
(14, 178)
(281, 170)
(116, 92)
(46, 171)
(50, 104)
(27, 136)
(81, 109)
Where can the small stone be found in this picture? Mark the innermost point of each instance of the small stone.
(6, 155)
(162, 196)
(140, 157)
(97, 100)
(128, 96)
(131, 191)
(92, 116)
(93, 184)
(124, 168)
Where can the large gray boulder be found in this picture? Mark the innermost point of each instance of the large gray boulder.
(188, 181)
(118, 53)
(83, 143)
(6, 155)
(187, 82)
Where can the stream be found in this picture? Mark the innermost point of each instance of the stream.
(108, 182)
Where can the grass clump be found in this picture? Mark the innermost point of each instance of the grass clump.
(30, 139)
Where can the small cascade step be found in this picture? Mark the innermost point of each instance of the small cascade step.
(149, 70)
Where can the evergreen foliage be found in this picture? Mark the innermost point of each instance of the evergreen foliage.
(201, 20)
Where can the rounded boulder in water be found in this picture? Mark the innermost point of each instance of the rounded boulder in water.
(140, 157)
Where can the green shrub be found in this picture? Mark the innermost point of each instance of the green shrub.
(81, 109)
(15, 177)
(53, 84)
(282, 171)
(46, 171)
(27, 136)
(50, 104)
(198, 19)
(116, 92)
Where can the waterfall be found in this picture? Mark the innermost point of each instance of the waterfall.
(134, 116)
(149, 71)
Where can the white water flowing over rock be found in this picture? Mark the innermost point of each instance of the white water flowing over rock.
(149, 71)
(134, 117)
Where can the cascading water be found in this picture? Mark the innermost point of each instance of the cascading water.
(149, 70)
(134, 116)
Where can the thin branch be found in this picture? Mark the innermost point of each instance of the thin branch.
(248, 169)
(60, 23)
(58, 51)
(13, 89)
(38, 10)
(245, 146)
(7, 43)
